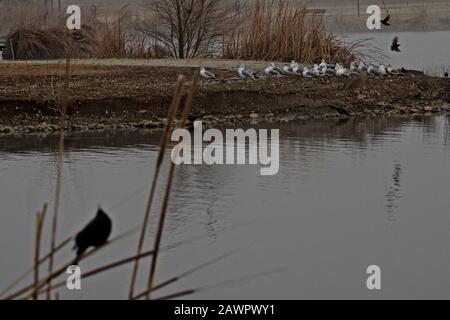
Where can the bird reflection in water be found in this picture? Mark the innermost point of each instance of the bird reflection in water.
(393, 193)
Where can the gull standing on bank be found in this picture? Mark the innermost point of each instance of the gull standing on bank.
(296, 68)
(206, 74)
(382, 69)
(362, 67)
(244, 73)
(341, 71)
(328, 71)
(308, 73)
(270, 70)
(354, 68)
(275, 68)
(318, 71)
(287, 68)
(374, 71)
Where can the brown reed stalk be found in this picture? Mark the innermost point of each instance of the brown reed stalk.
(278, 30)
(238, 280)
(129, 232)
(40, 218)
(30, 270)
(164, 141)
(59, 167)
(42, 260)
(186, 111)
(187, 273)
(125, 261)
(107, 267)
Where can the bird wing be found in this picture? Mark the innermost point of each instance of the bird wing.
(210, 74)
(247, 73)
(395, 42)
(375, 72)
(278, 70)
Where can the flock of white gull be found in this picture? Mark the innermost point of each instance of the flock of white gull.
(317, 70)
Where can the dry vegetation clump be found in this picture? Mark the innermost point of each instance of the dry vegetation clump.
(275, 30)
(118, 36)
(45, 36)
(35, 43)
(258, 30)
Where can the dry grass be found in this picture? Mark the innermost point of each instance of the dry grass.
(60, 162)
(259, 30)
(186, 111)
(275, 30)
(40, 218)
(164, 142)
(45, 35)
(34, 43)
(117, 37)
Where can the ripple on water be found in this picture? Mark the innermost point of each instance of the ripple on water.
(345, 196)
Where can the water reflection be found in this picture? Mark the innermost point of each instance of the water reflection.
(323, 216)
(446, 130)
(393, 193)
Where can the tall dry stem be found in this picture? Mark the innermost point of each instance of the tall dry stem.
(40, 218)
(59, 166)
(162, 216)
(164, 141)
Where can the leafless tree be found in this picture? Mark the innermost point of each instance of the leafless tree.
(187, 28)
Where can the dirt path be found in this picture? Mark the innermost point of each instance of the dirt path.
(223, 64)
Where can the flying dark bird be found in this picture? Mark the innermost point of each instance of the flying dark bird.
(95, 234)
(395, 46)
(385, 21)
(341, 111)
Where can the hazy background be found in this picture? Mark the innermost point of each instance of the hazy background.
(340, 15)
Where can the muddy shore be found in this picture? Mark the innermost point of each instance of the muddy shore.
(127, 95)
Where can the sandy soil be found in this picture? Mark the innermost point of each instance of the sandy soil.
(136, 93)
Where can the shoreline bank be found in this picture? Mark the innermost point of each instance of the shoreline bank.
(122, 95)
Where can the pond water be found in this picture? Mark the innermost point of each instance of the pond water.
(348, 195)
(425, 51)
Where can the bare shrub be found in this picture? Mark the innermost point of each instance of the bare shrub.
(187, 28)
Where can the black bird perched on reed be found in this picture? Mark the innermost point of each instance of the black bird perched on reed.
(446, 74)
(341, 111)
(385, 21)
(95, 234)
(395, 46)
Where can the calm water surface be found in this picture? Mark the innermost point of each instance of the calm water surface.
(348, 195)
(425, 51)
